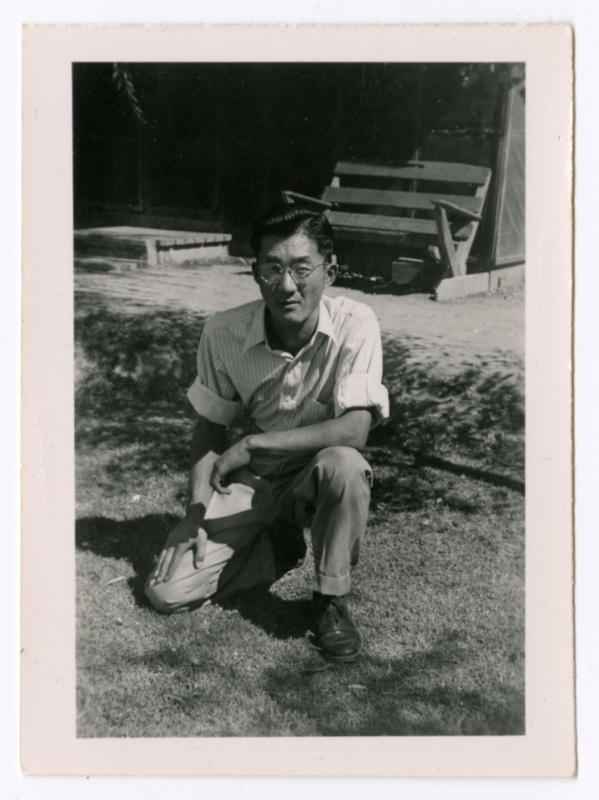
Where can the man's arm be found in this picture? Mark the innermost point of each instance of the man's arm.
(208, 442)
(350, 429)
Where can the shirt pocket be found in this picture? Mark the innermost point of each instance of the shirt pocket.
(314, 412)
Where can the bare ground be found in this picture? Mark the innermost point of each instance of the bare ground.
(487, 328)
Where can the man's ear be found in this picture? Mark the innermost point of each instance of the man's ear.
(331, 273)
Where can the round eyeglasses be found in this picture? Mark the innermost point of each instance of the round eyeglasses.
(300, 272)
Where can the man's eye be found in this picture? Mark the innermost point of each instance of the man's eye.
(301, 270)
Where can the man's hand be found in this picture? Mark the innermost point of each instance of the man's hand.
(186, 535)
(234, 458)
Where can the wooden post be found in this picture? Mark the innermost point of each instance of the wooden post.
(446, 245)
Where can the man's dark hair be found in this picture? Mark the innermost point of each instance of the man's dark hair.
(286, 220)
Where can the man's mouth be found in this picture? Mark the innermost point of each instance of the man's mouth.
(288, 303)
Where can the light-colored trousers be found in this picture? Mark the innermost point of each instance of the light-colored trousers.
(329, 492)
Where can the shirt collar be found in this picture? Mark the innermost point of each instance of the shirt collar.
(257, 332)
(325, 323)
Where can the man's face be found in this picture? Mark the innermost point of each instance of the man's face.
(287, 301)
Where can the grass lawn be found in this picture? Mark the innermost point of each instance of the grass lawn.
(438, 595)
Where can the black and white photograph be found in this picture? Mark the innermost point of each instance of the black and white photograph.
(300, 403)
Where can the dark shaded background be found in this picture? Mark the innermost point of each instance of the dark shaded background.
(220, 141)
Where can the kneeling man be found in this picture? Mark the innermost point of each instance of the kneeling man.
(308, 370)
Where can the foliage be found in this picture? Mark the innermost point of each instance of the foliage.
(123, 80)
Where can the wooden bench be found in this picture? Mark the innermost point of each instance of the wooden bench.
(420, 206)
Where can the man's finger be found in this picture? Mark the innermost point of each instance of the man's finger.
(160, 562)
(170, 551)
(177, 553)
(165, 563)
(215, 480)
(200, 548)
(217, 484)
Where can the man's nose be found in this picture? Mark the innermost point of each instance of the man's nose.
(287, 284)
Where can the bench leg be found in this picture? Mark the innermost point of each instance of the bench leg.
(449, 254)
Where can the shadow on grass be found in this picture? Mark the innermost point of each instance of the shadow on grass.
(399, 487)
(494, 478)
(134, 371)
(154, 444)
(375, 696)
(137, 541)
(282, 619)
(472, 412)
(143, 360)
(386, 697)
(133, 374)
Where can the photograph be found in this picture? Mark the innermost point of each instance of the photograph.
(296, 401)
(299, 360)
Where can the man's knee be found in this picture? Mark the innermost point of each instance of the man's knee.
(167, 597)
(341, 467)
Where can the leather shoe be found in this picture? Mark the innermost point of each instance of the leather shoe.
(336, 635)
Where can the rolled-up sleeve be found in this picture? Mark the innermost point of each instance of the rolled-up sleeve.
(360, 371)
(213, 394)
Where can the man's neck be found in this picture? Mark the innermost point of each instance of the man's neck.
(290, 338)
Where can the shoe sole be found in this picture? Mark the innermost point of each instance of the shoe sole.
(342, 659)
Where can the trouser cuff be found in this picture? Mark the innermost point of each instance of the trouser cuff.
(325, 584)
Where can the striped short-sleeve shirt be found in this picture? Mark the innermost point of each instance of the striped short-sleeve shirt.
(339, 369)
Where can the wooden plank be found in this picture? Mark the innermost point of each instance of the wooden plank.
(377, 223)
(289, 197)
(395, 240)
(446, 245)
(456, 208)
(351, 196)
(417, 171)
